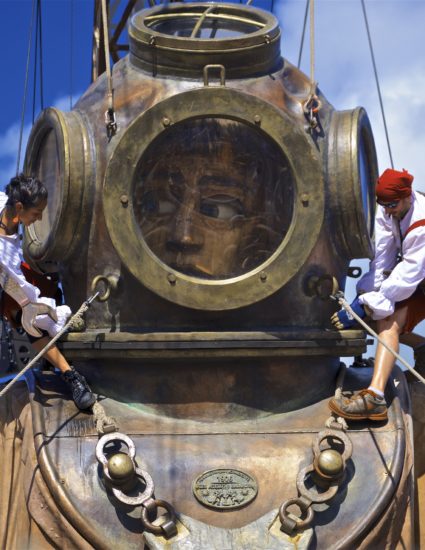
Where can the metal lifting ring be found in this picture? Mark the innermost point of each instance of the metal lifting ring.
(339, 435)
(157, 529)
(312, 105)
(147, 493)
(102, 279)
(107, 438)
(308, 493)
(303, 506)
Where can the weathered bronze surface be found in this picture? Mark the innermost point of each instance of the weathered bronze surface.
(176, 449)
(330, 462)
(225, 489)
(215, 223)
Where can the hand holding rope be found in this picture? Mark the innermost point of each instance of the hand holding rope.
(76, 318)
(340, 298)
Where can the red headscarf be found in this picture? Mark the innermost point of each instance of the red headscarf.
(393, 185)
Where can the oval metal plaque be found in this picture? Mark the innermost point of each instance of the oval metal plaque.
(225, 489)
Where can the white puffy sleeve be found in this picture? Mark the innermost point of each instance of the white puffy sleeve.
(11, 274)
(386, 249)
(403, 280)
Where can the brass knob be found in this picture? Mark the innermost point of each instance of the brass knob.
(120, 467)
(330, 463)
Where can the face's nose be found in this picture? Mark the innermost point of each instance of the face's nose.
(185, 236)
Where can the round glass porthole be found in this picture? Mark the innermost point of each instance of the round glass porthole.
(213, 198)
(209, 199)
(59, 155)
(352, 172)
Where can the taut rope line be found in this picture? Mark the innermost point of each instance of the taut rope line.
(339, 296)
(77, 316)
(24, 100)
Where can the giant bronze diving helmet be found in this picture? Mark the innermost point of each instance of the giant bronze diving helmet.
(216, 222)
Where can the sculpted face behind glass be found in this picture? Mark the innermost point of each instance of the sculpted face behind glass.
(213, 198)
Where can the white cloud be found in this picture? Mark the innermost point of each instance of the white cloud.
(344, 69)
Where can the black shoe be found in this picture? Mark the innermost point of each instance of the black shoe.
(82, 395)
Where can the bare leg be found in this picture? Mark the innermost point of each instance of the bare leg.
(389, 330)
(53, 355)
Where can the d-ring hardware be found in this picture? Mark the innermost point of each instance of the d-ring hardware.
(109, 281)
(222, 70)
(107, 438)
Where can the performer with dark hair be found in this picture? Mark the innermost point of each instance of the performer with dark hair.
(23, 203)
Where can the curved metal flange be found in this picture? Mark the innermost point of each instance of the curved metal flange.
(62, 139)
(274, 272)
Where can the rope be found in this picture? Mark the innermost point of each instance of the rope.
(41, 58)
(312, 104)
(313, 84)
(75, 318)
(307, 4)
(338, 422)
(24, 101)
(71, 60)
(111, 125)
(341, 300)
(104, 423)
(38, 41)
(377, 82)
(340, 381)
(34, 91)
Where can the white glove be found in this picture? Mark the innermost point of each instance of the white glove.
(54, 327)
(30, 309)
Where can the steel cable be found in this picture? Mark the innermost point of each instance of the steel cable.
(24, 101)
(377, 82)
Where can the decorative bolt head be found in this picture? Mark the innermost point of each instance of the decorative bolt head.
(263, 276)
(120, 466)
(305, 197)
(171, 278)
(124, 200)
(257, 119)
(166, 121)
(330, 462)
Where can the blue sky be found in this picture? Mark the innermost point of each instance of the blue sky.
(343, 66)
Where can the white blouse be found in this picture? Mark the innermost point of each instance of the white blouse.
(11, 258)
(387, 281)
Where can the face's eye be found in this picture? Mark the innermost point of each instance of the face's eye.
(221, 207)
(151, 205)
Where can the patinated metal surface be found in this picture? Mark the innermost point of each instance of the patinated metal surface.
(187, 290)
(215, 221)
(176, 451)
(150, 106)
(225, 489)
(161, 41)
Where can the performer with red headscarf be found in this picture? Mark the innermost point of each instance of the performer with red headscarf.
(389, 292)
